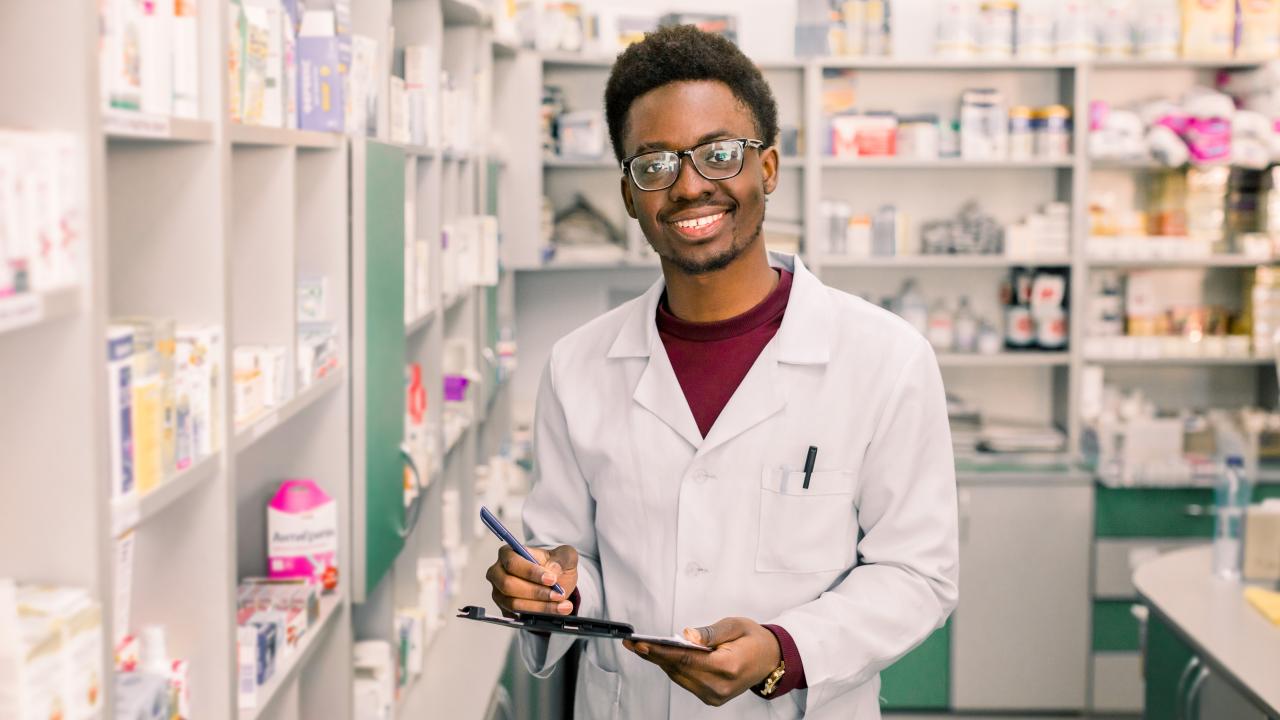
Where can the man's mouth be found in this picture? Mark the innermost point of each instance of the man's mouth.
(703, 226)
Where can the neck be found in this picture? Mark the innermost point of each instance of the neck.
(722, 294)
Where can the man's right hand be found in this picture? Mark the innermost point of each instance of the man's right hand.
(521, 586)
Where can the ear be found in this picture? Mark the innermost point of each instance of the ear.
(627, 199)
(769, 168)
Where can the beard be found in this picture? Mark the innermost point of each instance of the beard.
(723, 259)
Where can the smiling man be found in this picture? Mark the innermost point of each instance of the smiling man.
(741, 455)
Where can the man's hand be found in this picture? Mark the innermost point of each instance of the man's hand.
(521, 586)
(745, 654)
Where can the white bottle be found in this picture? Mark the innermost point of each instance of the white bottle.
(912, 307)
(942, 332)
(966, 328)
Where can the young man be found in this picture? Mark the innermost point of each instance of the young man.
(741, 454)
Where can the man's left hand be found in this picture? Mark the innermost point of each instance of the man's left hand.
(744, 654)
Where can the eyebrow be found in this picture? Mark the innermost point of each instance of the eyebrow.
(713, 135)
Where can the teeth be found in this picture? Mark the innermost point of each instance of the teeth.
(699, 222)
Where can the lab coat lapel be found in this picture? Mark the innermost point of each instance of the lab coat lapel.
(803, 339)
(657, 390)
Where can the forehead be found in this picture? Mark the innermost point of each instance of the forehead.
(679, 114)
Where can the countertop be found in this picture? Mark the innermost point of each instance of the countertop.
(1211, 615)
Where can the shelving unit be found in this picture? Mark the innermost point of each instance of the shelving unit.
(129, 513)
(38, 308)
(259, 427)
(126, 125)
(273, 694)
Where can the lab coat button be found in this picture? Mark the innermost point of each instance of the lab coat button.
(702, 476)
(693, 569)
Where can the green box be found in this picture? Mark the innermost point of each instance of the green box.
(921, 680)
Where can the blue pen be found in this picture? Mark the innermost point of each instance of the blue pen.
(505, 536)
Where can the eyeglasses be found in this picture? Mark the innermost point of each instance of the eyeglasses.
(716, 160)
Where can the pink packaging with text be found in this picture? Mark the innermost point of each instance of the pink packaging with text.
(302, 534)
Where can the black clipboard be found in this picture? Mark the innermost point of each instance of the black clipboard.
(574, 625)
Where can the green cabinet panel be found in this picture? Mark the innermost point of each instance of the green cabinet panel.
(1160, 512)
(1163, 664)
(921, 680)
(1115, 629)
(384, 344)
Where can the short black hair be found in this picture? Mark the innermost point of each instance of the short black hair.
(683, 52)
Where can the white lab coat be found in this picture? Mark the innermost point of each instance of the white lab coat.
(674, 530)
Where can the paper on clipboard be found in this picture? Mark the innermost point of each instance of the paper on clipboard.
(670, 641)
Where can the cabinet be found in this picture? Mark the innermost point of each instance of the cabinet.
(1020, 634)
(921, 680)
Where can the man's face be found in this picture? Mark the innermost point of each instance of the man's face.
(679, 116)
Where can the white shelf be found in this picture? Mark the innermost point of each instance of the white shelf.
(1179, 361)
(898, 163)
(1136, 165)
(455, 302)
(415, 326)
(941, 261)
(128, 513)
(252, 432)
(130, 126)
(455, 155)
(1173, 64)
(1005, 359)
(281, 137)
(573, 60)
(32, 309)
(288, 666)
(1212, 261)
(945, 64)
(423, 151)
(792, 162)
(452, 443)
(582, 164)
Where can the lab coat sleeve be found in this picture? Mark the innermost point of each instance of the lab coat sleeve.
(907, 579)
(559, 511)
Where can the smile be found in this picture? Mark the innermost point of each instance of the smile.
(699, 227)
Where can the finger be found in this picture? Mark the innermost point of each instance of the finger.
(718, 633)
(521, 568)
(525, 590)
(679, 659)
(564, 607)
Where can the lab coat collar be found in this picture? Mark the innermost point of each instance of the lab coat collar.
(803, 338)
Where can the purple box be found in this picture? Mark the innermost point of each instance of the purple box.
(320, 84)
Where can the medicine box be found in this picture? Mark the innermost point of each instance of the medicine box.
(320, 83)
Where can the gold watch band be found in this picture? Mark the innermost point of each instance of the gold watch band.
(775, 677)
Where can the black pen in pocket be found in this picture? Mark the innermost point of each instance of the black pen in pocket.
(808, 465)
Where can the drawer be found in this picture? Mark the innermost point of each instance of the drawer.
(1160, 512)
(1118, 686)
(1154, 512)
(1115, 629)
(1116, 559)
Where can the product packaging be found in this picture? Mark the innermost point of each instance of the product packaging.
(1208, 29)
(186, 60)
(1259, 29)
(122, 37)
(77, 621)
(320, 81)
(302, 529)
(120, 408)
(142, 696)
(237, 41)
(156, 57)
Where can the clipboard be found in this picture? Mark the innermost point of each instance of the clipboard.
(575, 625)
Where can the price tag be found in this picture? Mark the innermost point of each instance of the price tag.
(133, 124)
(20, 311)
(266, 425)
(126, 512)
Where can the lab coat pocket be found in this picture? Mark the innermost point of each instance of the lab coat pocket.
(806, 530)
(599, 691)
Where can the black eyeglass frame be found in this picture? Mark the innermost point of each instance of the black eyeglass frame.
(682, 154)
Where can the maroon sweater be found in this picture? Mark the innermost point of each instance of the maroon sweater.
(710, 361)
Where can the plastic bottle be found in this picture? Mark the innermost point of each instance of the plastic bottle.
(942, 327)
(966, 328)
(1231, 493)
(912, 307)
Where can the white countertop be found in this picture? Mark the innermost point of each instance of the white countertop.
(1232, 638)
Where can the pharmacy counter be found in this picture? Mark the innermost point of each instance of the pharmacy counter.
(1226, 636)
(1013, 470)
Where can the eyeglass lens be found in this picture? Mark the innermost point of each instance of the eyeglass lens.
(719, 160)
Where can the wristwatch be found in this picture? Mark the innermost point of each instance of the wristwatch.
(775, 677)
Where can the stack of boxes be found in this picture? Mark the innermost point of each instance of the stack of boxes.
(41, 214)
(149, 56)
(50, 653)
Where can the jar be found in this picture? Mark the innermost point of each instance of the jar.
(1022, 144)
(995, 29)
(1051, 329)
(918, 137)
(1053, 132)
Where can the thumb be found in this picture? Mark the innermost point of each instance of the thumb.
(719, 633)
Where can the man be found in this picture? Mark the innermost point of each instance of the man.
(741, 454)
